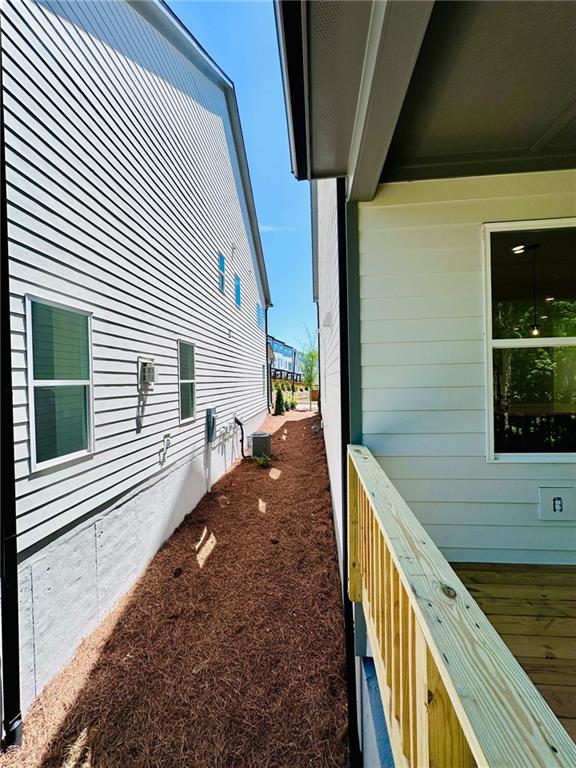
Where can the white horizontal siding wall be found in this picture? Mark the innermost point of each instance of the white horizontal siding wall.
(123, 185)
(422, 337)
(328, 305)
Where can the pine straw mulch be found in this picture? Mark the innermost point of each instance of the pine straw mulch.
(238, 663)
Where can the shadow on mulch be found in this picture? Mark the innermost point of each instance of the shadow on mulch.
(229, 651)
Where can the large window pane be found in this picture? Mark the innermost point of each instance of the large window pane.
(59, 343)
(61, 421)
(535, 400)
(186, 400)
(186, 360)
(533, 283)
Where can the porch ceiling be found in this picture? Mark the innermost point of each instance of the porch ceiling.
(388, 91)
(493, 90)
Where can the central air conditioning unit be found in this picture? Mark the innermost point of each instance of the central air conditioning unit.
(261, 444)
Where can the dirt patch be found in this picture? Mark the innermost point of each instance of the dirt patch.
(229, 651)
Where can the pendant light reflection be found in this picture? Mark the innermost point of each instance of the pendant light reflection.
(518, 250)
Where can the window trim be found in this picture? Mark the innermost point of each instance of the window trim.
(31, 383)
(192, 344)
(490, 344)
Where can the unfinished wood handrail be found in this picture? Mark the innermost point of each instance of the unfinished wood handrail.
(454, 696)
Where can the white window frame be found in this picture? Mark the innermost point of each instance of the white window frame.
(186, 381)
(490, 344)
(32, 383)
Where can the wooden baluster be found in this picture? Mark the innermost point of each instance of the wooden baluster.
(440, 737)
(412, 688)
(396, 680)
(379, 605)
(354, 559)
(374, 603)
(362, 539)
(421, 697)
(383, 600)
(388, 619)
(404, 671)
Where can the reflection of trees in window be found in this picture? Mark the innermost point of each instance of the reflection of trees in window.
(513, 319)
(535, 399)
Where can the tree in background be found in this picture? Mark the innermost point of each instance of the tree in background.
(310, 366)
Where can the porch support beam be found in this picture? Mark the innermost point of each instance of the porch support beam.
(395, 34)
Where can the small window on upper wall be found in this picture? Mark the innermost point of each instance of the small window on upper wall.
(221, 272)
(186, 380)
(531, 339)
(59, 383)
(237, 294)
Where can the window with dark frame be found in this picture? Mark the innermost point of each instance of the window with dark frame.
(533, 340)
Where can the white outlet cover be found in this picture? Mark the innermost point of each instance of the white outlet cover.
(557, 503)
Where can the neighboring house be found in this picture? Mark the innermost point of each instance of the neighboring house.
(440, 139)
(138, 298)
(287, 363)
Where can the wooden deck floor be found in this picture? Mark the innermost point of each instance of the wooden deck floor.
(533, 608)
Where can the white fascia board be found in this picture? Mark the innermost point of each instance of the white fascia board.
(395, 34)
(157, 13)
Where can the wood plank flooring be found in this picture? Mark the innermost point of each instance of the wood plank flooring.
(533, 608)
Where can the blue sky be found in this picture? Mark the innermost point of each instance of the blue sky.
(241, 37)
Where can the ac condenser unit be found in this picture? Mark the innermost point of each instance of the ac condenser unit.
(261, 444)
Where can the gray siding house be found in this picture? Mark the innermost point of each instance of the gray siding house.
(137, 298)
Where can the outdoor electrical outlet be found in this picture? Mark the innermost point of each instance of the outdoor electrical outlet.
(557, 503)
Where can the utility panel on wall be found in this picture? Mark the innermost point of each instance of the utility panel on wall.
(557, 503)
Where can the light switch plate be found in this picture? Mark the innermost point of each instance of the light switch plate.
(557, 503)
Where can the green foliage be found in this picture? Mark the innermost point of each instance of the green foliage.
(279, 404)
(262, 461)
(310, 363)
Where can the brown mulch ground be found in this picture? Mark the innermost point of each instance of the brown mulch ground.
(236, 663)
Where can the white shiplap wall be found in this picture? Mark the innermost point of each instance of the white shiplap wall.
(123, 185)
(328, 304)
(423, 392)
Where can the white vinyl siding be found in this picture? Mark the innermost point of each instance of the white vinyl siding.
(329, 311)
(423, 362)
(123, 182)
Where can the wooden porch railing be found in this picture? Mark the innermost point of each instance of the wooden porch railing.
(454, 696)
